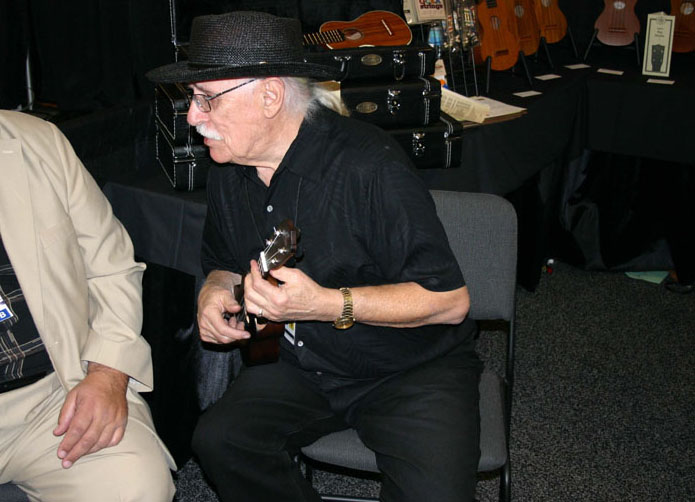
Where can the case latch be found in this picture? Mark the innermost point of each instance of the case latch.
(393, 102)
(398, 64)
(419, 144)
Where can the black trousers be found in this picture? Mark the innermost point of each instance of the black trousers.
(423, 425)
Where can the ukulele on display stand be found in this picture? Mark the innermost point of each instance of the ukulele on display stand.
(499, 48)
(527, 27)
(684, 30)
(617, 26)
(553, 25)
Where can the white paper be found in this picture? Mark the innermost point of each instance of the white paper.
(548, 76)
(527, 94)
(577, 66)
(610, 72)
(462, 107)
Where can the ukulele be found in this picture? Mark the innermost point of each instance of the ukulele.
(618, 24)
(527, 26)
(264, 344)
(684, 31)
(498, 37)
(551, 20)
(377, 27)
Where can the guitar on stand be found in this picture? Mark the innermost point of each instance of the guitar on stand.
(499, 40)
(264, 344)
(684, 31)
(377, 27)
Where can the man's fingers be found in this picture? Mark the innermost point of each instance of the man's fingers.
(67, 412)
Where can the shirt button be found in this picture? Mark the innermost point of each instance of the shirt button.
(319, 373)
(300, 343)
(269, 208)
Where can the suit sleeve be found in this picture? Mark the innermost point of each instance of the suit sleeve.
(113, 278)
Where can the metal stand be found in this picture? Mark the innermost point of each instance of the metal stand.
(635, 43)
(488, 71)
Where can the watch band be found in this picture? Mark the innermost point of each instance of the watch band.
(347, 318)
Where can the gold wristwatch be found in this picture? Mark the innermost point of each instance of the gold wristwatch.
(346, 319)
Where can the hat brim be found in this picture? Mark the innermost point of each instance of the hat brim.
(184, 71)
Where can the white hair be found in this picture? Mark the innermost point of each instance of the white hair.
(303, 95)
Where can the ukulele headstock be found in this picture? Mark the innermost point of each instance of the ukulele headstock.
(279, 248)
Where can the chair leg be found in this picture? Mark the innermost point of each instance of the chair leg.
(506, 482)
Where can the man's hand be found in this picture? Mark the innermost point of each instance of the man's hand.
(216, 309)
(94, 415)
(296, 298)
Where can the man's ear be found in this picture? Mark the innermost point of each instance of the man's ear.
(273, 95)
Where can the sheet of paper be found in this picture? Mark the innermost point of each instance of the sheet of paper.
(610, 72)
(527, 94)
(577, 66)
(660, 81)
(548, 76)
(498, 108)
(462, 107)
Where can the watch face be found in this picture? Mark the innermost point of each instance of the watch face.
(343, 323)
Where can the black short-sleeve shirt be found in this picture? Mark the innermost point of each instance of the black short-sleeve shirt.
(365, 218)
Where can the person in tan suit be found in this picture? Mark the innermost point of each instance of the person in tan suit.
(72, 361)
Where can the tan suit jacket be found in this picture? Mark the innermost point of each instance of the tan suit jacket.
(73, 258)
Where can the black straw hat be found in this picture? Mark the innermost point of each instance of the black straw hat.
(243, 44)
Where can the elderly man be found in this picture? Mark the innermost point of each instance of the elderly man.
(72, 424)
(374, 306)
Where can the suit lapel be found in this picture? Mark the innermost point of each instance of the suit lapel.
(17, 224)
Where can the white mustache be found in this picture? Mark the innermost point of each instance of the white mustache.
(205, 132)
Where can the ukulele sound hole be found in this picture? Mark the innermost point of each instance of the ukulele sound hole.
(687, 8)
(352, 34)
(619, 5)
(495, 22)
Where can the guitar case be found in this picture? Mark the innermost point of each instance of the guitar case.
(179, 148)
(435, 146)
(393, 103)
(378, 62)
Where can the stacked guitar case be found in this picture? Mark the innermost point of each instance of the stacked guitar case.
(179, 148)
(392, 87)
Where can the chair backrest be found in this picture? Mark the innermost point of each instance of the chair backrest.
(482, 231)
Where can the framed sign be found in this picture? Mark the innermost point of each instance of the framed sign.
(658, 44)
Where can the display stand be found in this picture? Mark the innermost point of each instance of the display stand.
(488, 71)
(460, 65)
(635, 42)
(546, 50)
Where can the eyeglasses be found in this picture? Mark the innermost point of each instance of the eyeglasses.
(202, 101)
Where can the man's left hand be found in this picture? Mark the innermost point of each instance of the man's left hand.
(94, 414)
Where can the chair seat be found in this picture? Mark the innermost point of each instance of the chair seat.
(12, 493)
(345, 449)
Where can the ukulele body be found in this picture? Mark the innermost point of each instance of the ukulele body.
(551, 20)
(527, 26)
(377, 27)
(498, 37)
(618, 24)
(684, 31)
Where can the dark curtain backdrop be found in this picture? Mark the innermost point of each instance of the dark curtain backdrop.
(90, 54)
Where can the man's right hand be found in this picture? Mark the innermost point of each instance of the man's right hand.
(217, 307)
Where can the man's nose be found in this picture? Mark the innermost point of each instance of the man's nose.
(194, 115)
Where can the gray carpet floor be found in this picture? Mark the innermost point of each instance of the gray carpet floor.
(604, 402)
